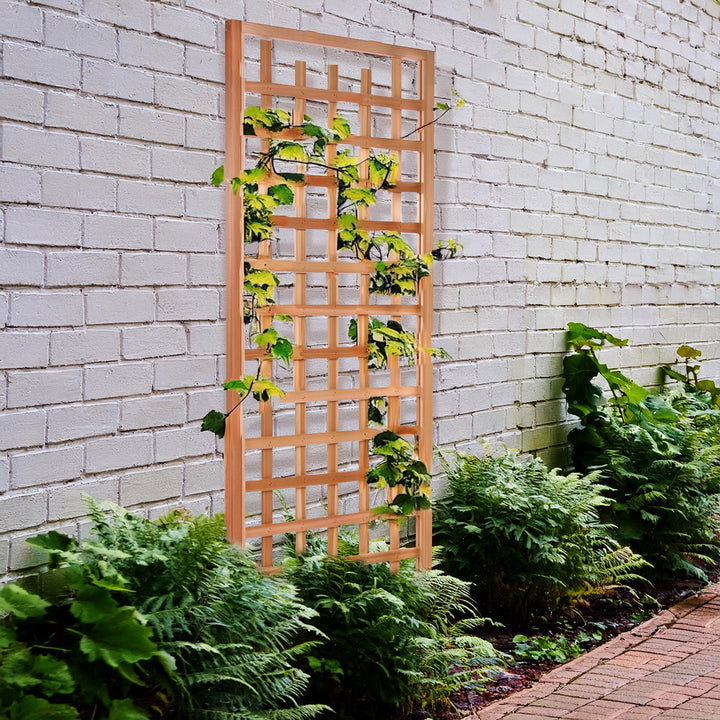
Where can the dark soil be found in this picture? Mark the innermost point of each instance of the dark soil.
(611, 614)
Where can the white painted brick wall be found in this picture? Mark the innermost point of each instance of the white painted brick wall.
(581, 178)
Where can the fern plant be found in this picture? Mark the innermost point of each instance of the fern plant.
(530, 539)
(664, 487)
(391, 637)
(191, 629)
(657, 451)
(232, 631)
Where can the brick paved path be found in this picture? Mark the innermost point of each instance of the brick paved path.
(665, 669)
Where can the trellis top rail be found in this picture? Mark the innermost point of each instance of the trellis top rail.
(366, 47)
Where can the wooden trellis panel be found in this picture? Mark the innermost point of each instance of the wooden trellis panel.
(240, 483)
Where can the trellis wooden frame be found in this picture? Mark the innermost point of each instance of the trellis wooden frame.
(236, 444)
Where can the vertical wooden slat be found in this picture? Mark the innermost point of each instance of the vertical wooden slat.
(394, 360)
(424, 377)
(235, 328)
(266, 418)
(299, 296)
(332, 325)
(365, 117)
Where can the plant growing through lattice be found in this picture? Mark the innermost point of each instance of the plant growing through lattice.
(292, 149)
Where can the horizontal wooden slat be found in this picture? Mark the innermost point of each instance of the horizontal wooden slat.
(310, 93)
(303, 481)
(387, 555)
(401, 186)
(303, 353)
(371, 47)
(349, 394)
(352, 267)
(364, 141)
(267, 530)
(275, 441)
(339, 310)
(329, 224)
(259, 443)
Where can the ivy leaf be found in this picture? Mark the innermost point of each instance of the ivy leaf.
(286, 150)
(341, 127)
(282, 350)
(235, 184)
(687, 351)
(218, 176)
(383, 170)
(376, 410)
(403, 504)
(359, 196)
(21, 603)
(384, 475)
(442, 106)
(347, 221)
(242, 386)
(267, 338)
(214, 422)
(264, 389)
(282, 193)
(118, 639)
(252, 176)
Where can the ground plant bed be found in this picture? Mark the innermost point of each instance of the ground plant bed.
(612, 614)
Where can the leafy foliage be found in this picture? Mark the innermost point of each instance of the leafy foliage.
(391, 637)
(529, 538)
(85, 654)
(231, 631)
(385, 339)
(399, 467)
(658, 454)
(206, 634)
(559, 649)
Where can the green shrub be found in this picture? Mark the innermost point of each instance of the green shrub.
(658, 452)
(530, 539)
(391, 637)
(217, 638)
(86, 655)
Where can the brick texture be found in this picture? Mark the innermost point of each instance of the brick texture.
(581, 178)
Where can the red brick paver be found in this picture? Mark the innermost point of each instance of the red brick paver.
(665, 669)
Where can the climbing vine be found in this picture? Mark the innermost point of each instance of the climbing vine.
(397, 269)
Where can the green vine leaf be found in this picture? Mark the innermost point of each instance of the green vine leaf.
(214, 422)
(288, 150)
(341, 127)
(218, 176)
(264, 390)
(377, 406)
(360, 196)
(383, 169)
(283, 194)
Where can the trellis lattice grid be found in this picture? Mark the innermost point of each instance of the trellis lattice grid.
(322, 291)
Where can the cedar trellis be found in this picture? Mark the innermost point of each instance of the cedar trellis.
(420, 187)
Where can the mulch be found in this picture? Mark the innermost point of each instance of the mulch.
(612, 614)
